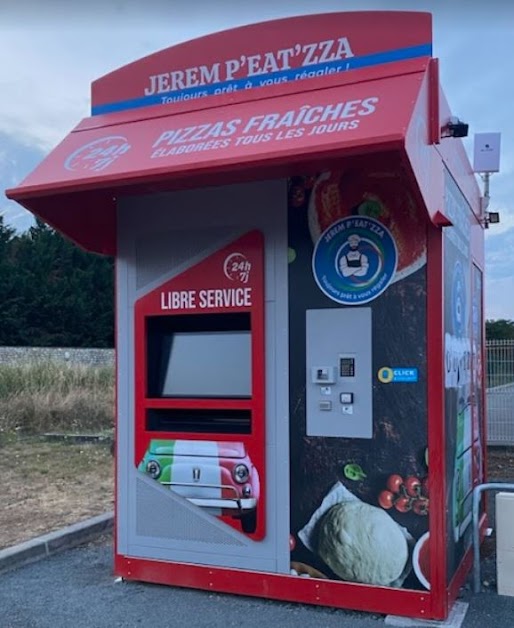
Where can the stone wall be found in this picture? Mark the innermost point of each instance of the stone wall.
(89, 357)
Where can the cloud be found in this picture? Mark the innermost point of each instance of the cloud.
(56, 48)
(498, 298)
(499, 275)
(17, 159)
(48, 93)
(500, 254)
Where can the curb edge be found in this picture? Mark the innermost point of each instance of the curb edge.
(54, 542)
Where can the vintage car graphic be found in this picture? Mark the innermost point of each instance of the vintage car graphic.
(218, 476)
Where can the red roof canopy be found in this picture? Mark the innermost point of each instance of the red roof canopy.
(276, 130)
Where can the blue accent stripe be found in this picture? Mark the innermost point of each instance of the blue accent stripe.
(262, 80)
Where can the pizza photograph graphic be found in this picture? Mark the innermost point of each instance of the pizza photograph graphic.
(377, 194)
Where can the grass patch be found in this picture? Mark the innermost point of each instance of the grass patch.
(62, 461)
(46, 486)
(44, 397)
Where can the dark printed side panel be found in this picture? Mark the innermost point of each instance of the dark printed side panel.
(460, 410)
(359, 459)
(478, 376)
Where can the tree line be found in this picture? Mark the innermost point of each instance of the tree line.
(52, 293)
(501, 329)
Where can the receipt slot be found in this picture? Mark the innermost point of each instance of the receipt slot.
(339, 378)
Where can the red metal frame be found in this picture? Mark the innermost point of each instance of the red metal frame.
(483, 400)
(116, 413)
(436, 423)
(278, 587)
(484, 397)
(460, 576)
(434, 118)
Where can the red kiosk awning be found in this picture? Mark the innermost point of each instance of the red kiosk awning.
(364, 103)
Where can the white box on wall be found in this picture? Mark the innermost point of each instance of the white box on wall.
(505, 543)
(487, 152)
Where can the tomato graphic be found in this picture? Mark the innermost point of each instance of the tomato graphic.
(413, 486)
(386, 499)
(403, 504)
(420, 506)
(395, 483)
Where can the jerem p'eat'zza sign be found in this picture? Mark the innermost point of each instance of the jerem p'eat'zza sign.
(259, 55)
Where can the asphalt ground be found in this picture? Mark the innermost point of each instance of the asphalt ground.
(76, 588)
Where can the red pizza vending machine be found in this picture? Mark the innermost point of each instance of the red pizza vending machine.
(199, 291)
(299, 250)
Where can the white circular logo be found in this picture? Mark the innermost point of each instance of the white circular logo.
(354, 260)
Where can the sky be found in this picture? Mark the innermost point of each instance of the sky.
(51, 51)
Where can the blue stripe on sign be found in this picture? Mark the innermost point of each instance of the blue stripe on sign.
(262, 80)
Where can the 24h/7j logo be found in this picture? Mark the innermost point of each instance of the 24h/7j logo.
(237, 268)
(99, 154)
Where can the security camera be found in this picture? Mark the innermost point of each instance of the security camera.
(455, 128)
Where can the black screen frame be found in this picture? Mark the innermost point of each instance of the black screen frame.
(159, 334)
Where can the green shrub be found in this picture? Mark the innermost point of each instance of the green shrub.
(48, 396)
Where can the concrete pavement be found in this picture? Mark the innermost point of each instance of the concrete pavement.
(76, 588)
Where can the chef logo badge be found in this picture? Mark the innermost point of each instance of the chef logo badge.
(354, 260)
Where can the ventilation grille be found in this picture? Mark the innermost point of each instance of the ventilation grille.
(162, 514)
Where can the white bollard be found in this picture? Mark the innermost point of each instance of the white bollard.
(505, 543)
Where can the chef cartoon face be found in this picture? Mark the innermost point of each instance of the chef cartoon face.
(354, 241)
(353, 263)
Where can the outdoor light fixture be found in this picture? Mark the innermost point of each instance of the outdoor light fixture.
(490, 218)
(455, 128)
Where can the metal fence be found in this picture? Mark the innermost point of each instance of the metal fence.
(500, 392)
